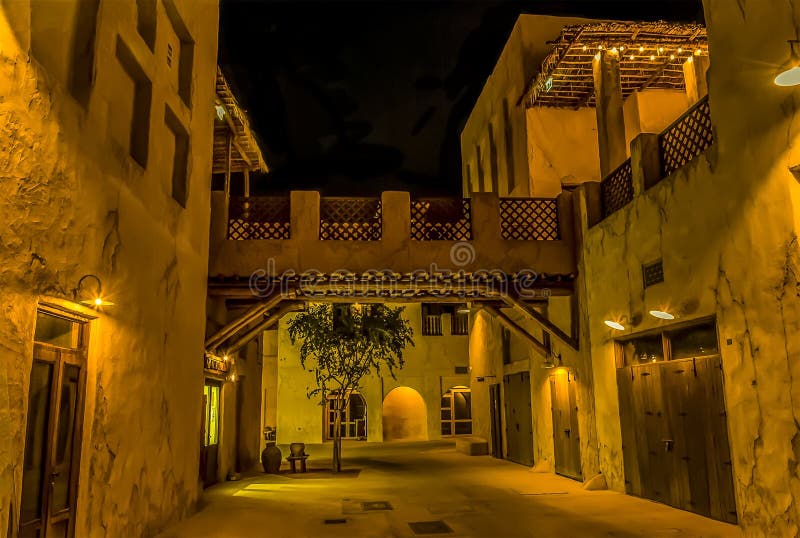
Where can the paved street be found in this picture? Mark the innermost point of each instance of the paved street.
(428, 482)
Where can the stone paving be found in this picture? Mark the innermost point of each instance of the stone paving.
(427, 489)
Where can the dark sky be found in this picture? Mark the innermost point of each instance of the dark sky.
(353, 98)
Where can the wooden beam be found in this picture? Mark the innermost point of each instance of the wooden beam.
(517, 329)
(542, 321)
(249, 315)
(228, 164)
(261, 326)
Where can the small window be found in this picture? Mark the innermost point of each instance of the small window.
(643, 350)
(456, 413)
(652, 273)
(180, 157)
(697, 341)
(431, 319)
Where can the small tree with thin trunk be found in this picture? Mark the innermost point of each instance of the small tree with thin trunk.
(341, 344)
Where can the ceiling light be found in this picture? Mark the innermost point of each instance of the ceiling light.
(614, 325)
(660, 314)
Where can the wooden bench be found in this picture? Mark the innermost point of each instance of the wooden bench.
(297, 452)
(472, 446)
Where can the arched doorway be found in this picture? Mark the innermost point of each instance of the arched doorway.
(404, 416)
(354, 417)
(457, 411)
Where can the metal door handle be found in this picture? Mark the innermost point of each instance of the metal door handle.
(668, 444)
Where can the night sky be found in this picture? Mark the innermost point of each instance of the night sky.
(354, 98)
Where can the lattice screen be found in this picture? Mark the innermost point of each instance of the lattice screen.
(350, 219)
(686, 138)
(529, 219)
(264, 217)
(441, 219)
(617, 188)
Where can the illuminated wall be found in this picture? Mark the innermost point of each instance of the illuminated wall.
(87, 187)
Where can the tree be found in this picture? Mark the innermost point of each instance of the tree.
(343, 343)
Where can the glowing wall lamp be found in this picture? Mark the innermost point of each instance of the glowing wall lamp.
(91, 295)
(660, 314)
(462, 309)
(614, 325)
(790, 76)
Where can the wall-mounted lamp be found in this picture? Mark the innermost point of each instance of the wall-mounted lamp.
(90, 295)
(553, 361)
(220, 112)
(790, 75)
(463, 308)
(660, 314)
(614, 325)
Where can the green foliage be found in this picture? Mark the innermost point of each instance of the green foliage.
(341, 344)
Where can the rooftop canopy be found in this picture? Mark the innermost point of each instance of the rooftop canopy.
(651, 55)
(231, 125)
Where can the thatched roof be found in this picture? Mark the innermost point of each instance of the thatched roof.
(230, 118)
(651, 56)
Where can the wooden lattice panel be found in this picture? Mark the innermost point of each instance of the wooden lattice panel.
(350, 219)
(260, 217)
(686, 138)
(529, 219)
(445, 219)
(617, 188)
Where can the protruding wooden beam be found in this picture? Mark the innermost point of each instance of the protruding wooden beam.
(518, 330)
(542, 321)
(244, 339)
(246, 318)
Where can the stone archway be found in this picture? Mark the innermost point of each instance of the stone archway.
(404, 416)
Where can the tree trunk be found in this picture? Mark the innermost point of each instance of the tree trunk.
(337, 436)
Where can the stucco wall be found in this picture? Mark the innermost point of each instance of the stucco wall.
(429, 369)
(562, 148)
(650, 111)
(71, 203)
(726, 228)
(496, 109)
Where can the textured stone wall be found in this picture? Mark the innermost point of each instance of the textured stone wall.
(429, 369)
(73, 203)
(726, 228)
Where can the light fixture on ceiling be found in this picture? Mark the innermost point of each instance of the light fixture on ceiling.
(660, 314)
(91, 296)
(790, 75)
(614, 325)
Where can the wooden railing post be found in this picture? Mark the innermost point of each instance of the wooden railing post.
(645, 162)
(305, 215)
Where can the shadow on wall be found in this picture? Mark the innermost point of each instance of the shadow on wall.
(404, 416)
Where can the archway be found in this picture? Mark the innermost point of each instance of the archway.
(404, 416)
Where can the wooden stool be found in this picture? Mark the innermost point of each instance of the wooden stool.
(297, 452)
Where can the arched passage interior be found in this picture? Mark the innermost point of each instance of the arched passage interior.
(404, 416)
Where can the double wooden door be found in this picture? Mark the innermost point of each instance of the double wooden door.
(566, 439)
(675, 435)
(52, 444)
(519, 419)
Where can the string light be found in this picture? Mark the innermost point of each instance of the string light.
(660, 50)
(631, 56)
(585, 48)
(614, 50)
(641, 48)
(652, 57)
(680, 49)
(671, 56)
(597, 56)
(698, 52)
(622, 47)
(689, 59)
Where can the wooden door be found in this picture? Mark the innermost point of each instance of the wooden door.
(211, 421)
(566, 439)
(519, 422)
(497, 420)
(675, 435)
(53, 441)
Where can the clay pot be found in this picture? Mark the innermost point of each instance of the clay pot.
(271, 458)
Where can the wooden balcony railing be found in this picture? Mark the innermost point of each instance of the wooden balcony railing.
(616, 189)
(529, 219)
(350, 219)
(686, 138)
(446, 219)
(263, 217)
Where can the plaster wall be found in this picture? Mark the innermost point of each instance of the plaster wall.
(651, 111)
(562, 148)
(72, 202)
(429, 369)
(726, 227)
(497, 111)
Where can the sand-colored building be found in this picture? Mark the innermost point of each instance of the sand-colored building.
(107, 121)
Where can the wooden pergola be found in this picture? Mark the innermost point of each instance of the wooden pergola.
(651, 55)
(235, 146)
